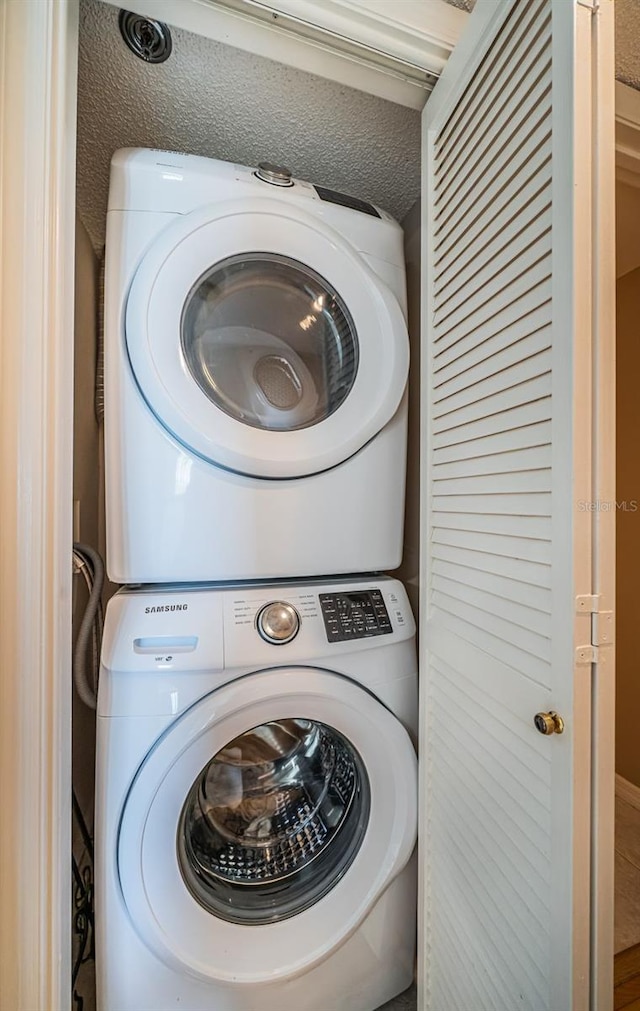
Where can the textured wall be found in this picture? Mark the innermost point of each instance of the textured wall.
(215, 100)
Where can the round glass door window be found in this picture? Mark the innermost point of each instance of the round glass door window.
(273, 821)
(269, 342)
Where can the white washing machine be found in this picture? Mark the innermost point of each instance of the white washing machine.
(256, 359)
(256, 799)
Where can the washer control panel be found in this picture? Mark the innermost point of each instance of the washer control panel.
(354, 614)
(198, 628)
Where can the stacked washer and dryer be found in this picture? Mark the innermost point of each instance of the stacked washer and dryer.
(256, 804)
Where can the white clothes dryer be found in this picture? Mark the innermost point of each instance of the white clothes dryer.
(256, 805)
(256, 359)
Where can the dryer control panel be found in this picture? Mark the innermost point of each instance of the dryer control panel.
(355, 614)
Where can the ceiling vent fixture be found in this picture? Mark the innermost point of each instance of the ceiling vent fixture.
(148, 39)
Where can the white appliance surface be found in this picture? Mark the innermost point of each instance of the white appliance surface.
(316, 914)
(256, 359)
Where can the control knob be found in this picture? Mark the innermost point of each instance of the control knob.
(278, 622)
(276, 175)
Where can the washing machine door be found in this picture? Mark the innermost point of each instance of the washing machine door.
(263, 342)
(265, 824)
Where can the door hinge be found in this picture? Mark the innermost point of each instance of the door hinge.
(602, 627)
(587, 603)
(586, 654)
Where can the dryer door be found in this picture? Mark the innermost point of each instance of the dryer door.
(268, 819)
(263, 342)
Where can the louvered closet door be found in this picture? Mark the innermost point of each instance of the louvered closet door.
(510, 374)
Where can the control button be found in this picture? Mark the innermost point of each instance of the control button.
(278, 622)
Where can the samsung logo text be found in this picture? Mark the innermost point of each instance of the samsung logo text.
(165, 607)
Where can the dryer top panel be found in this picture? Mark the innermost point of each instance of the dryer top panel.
(169, 182)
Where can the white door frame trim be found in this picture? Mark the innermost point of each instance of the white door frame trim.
(605, 156)
(38, 58)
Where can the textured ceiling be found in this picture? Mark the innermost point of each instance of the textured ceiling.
(215, 100)
(628, 42)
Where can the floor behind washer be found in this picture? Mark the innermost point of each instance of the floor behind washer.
(407, 1001)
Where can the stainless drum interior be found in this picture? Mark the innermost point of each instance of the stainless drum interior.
(273, 821)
